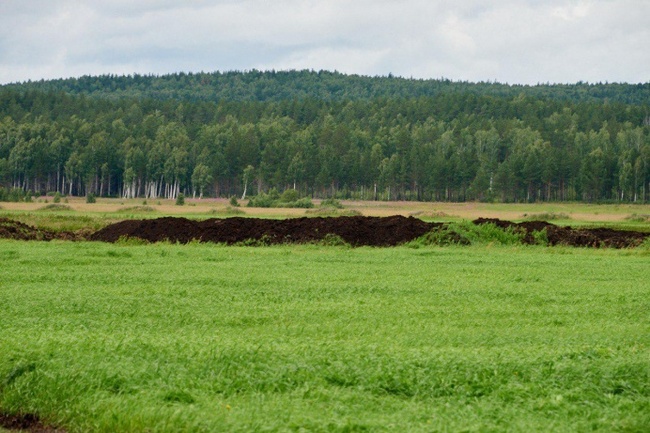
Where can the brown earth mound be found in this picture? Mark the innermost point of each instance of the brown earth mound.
(577, 237)
(10, 229)
(26, 423)
(355, 230)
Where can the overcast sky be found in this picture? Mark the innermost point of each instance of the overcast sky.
(510, 41)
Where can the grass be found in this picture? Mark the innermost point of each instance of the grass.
(173, 338)
(547, 216)
(578, 213)
(53, 207)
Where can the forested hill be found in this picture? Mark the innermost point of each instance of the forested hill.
(324, 134)
(323, 85)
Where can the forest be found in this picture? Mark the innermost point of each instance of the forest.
(325, 135)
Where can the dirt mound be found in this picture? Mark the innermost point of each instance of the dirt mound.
(576, 237)
(355, 230)
(26, 423)
(10, 229)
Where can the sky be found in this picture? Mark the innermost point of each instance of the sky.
(509, 41)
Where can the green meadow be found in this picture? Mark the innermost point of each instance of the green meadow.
(203, 338)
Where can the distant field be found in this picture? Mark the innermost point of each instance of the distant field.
(106, 211)
(203, 338)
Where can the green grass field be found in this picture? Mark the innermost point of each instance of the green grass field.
(173, 338)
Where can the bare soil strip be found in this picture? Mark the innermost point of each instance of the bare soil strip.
(355, 230)
(27, 423)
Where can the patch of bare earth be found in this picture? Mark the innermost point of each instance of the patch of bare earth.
(27, 423)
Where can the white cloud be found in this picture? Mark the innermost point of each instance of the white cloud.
(516, 41)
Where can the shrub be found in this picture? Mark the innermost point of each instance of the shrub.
(289, 195)
(260, 200)
(467, 233)
(15, 195)
(331, 203)
(546, 216)
(233, 201)
(274, 194)
(180, 200)
(57, 197)
(303, 203)
(540, 237)
(273, 199)
(90, 198)
(56, 207)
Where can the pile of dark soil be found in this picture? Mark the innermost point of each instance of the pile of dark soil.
(10, 229)
(576, 237)
(26, 423)
(355, 230)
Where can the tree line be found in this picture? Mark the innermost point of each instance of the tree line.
(451, 146)
(273, 85)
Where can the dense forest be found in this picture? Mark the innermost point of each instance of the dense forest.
(326, 135)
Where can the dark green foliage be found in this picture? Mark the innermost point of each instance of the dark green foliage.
(289, 195)
(57, 197)
(180, 199)
(325, 135)
(15, 195)
(233, 201)
(468, 233)
(90, 198)
(286, 200)
(260, 200)
(318, 86)
(331, 203)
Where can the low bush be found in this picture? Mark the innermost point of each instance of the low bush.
(303, 203)
(55, 207)
(180, 199)
(274, 200)
(331, 203)
(90, 198)
(289, 196)
(227, 211)
(546, 216)
(467, 233)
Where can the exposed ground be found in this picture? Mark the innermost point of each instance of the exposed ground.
(26, 424)
(354, 230)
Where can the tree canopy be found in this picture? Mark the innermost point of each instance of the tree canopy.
(325, 134)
